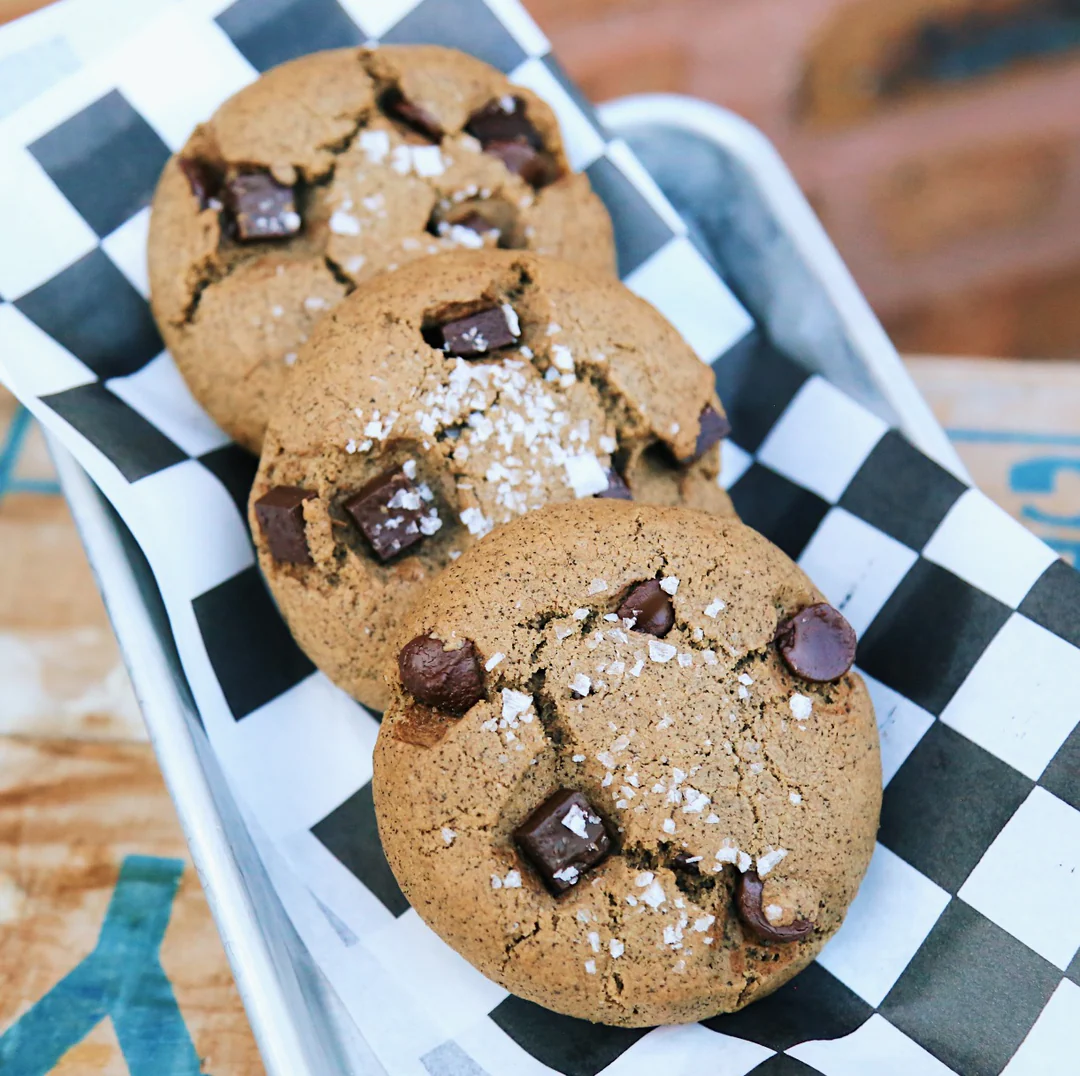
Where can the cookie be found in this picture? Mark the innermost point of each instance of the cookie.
(447, 398)
(626, 770)
(329, 170)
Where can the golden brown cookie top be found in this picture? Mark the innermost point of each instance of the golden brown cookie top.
(679, 735)
(452, 396)
(331, 169)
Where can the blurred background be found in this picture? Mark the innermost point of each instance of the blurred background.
(938, 140)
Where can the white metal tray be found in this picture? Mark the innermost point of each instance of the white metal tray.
(776, 257)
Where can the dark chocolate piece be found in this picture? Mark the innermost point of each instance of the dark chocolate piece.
(537, 167)
(617, 489)
(477, 334)
(261, 207)
(818, 643)
(205, 181)
(503, 120)
(563, 838)
(280, 514)
(447, 680)
(713, 427)
(504, 131)
(650, 607)
(391, 513)
(415, 117)
(748, 901)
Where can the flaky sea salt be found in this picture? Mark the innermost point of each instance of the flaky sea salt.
(597, 586)
(581, 685)
(585, 475)
(343, 223)
(801, 706)
(514, 703)
(448, 834)
(714, 607)
(493, 661)
(694, 801)
(654, 895)
(766, 862)
(669, 584)
(576, 821)
(661, 651)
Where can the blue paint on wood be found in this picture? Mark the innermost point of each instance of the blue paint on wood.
(9, 454)
(122, 979)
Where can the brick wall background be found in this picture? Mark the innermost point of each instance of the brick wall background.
(938, 139)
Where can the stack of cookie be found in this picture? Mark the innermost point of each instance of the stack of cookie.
(625, 768)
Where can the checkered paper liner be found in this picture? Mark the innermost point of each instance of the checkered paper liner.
(960, 952)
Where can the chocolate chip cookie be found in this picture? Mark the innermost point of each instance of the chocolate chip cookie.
(449, 397)
(626, 769)
(329, 170)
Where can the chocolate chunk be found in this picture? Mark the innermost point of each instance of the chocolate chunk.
(617, 489)
(712, 428)
(503, 120)
(477, 334)
(205, 181)
(748, 901)
(393, 514)
(396, 105)
(261, 207)
(650, 607)
(535, 166)
(818, 643)
(563, 838)
(447, 680)
(504, 131)
(281, 517)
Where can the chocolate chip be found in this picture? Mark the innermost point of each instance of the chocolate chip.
(477, 334)
(713, 427)
(818, 643)
(617, 489)
(281, 517)
(503, 120)
(447, 680)
(261, 207)
(204, 179)
(748, 901)
(535, 166)
(504, 131)
(563, 838)
(650, 607)
(395, 104)
(392, 513)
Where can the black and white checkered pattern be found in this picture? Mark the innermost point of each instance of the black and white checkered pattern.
(960, 952)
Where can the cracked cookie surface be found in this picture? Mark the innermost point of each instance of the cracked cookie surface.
(713, 766)
(395, 440)
(374, 147)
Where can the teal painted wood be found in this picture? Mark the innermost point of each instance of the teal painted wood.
(122, 979)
